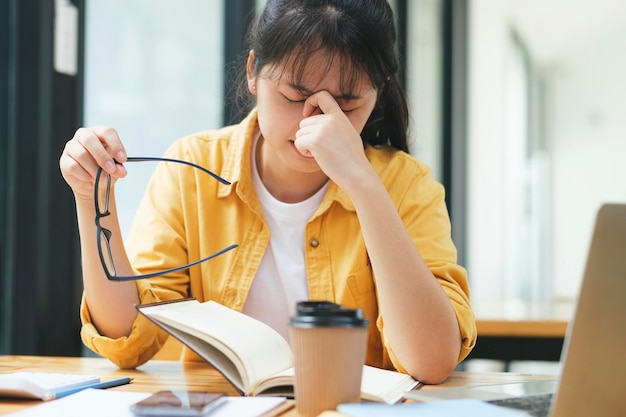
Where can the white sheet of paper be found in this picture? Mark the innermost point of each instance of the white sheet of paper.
(107, 403)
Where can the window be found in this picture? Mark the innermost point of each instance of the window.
(154, 71)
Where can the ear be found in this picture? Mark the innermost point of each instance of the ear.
(250, 73)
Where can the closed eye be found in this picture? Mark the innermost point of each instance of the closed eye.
(347, 105)
(294, 101)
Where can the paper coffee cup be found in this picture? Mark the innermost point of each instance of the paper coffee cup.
(329, 343)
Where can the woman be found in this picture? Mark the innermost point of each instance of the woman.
(324, 203)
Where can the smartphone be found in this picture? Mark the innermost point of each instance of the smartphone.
(179, 403)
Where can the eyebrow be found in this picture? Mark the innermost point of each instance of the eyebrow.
(305, 91)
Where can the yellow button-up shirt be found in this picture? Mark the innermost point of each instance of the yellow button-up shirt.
(186, 215)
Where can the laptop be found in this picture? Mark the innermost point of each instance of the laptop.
(592, 381)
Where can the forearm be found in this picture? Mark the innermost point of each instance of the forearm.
(111, 303)
(419, 320)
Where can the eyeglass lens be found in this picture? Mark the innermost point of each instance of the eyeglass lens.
(107, 257)
(103, 182)
(104, 189)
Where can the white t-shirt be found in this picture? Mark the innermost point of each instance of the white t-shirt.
(280, 281)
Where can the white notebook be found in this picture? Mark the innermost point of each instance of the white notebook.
(41, 385)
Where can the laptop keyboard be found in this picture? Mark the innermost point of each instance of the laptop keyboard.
(535, 405)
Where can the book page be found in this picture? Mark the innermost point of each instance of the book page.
(257, 350)
(210, 354)
(383, 385)
(280, 384)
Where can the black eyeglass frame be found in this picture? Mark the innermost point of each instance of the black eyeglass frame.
(106, 233)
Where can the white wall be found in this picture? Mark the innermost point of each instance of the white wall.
(587, 99)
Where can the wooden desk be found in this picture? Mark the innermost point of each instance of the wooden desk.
(516, 330)
(159, 375)
(151, 377)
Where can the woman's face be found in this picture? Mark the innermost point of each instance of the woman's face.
(280, 103)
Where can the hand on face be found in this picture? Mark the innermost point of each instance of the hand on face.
(330, 136)
(89, 149)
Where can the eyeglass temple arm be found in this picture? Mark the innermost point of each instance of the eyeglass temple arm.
(167, 271)
(191, 164)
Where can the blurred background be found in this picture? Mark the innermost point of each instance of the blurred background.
(515, 105)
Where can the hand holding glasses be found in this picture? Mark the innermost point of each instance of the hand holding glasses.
(101, 199)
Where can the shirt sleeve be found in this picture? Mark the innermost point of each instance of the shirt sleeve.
(129, 351)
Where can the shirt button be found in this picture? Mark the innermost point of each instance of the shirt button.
(314, 243)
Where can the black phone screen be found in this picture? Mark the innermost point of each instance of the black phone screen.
(178, 403)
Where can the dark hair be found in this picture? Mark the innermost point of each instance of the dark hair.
(360, 33)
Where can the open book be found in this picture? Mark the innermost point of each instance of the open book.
(255, 358)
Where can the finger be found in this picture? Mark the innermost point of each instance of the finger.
(75, 153)
(303, 149)
(321, 101)
(78, 161)
(113, 142)
(100, 143)
(301, 141)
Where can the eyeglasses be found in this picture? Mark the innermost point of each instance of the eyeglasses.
(102, 192)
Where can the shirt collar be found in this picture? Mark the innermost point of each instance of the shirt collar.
(237, 167)
(237, 158)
